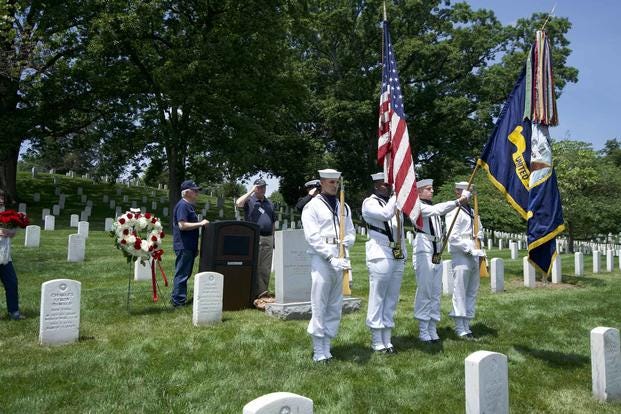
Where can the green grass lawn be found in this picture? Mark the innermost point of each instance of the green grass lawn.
(155, 360)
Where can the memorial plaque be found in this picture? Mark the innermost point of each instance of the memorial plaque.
(207, 305)
(59, 321)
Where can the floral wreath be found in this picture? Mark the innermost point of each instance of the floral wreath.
(139, 236)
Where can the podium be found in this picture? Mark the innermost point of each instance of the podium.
(232, 249)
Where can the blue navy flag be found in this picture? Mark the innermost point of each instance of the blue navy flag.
(518, 161)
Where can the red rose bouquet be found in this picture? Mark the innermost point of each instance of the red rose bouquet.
(11, 219)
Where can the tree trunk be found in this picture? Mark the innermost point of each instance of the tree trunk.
(8, 174)
(176, 175)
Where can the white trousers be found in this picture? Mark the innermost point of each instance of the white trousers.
(326, 298)
(385, 277)
(465, 285)
(428, 287)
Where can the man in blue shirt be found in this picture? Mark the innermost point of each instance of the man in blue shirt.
(259, 210)
(185, 227)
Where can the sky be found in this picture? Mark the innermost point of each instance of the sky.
(588, 110)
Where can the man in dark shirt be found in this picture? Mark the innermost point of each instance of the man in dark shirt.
(258, 209)
(185, 227)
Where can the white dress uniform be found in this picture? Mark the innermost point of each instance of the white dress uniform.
(465, 267)
(428, 241)
(385, 272)
(321, 230)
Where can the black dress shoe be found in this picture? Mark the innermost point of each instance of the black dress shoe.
(435, 341)
(391, 350)
(380, 351)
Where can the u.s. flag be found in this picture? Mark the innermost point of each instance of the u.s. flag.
(393, 150)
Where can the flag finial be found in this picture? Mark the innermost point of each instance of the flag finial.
(385, 18)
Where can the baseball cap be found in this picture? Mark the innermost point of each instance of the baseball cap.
(190, 185)
(260, 182)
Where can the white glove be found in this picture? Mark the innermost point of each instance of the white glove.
(340, 264)
(466, 193)
(477, 253)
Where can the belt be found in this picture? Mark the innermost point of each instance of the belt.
(390, 244)
(429, 237)
(331, 240)
(466, 237)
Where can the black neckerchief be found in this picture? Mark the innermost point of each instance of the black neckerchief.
(331, 199)
(426, 202)
(385, 198)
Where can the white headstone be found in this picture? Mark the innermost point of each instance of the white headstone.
(557, 270)
(279, 403)
(207, 305)
(497, 275)
(125, 198)
(291, 267)
(34, 172)
(143, 209)
(500, 244)
(89, 204)
(144, 199)
(33, 236)
(487, 383)
(165, 212)
(519, 244)
(73, 220)
(56, 210)
(76, 248)
(221, 213)
(59, 318)
(112, 203)
(83, 216)
(596, 261)
(36, 197)
(83, 229)
(83, 198)
(134, 204)
(105, 198)
(619, 255)
(108, 224)
(45, 212)
(153, 205)
(80, 191)
(606, 364)
(117, 211)
(447, 277)
(61, 200)
(490, 244)
(610, 260)
(22, 208)
(514, 250)
(578, 264)
(142, 271)
(529, 273)
(49, 223)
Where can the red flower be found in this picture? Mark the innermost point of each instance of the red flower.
(129, 215)
(126, 232)
(138, 215)
(153, 220)
(122, 220)
(123, 241)
(161, 235)
(150, 248)
(11, 218)
(137, 244)
(147, 215)
(153, 238)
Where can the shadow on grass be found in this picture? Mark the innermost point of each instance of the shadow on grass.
(355, 353)
(583, 281)
(554, 359)
(133, 310)
(407, 342)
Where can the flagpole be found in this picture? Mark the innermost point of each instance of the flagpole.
(544, 23)
(448, 233)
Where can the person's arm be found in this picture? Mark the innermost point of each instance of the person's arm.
(242, 200)
(350, 230)
(185, 225)
(372, 209)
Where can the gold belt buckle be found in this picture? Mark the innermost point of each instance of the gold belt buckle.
(436, 258)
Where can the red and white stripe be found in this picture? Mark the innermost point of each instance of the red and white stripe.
(395, 154)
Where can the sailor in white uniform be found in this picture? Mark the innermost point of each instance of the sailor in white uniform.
(426, 259)
(385, 262)
(465, 264)
(320, 219)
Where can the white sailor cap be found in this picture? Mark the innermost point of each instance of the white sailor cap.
(377, 176)
(424, 183)
(329, 173)
(463, 185)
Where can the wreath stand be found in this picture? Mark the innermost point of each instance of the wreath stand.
(157, 289)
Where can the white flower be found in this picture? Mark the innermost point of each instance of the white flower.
(142, 223)
(144, 245)
(131, 239)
